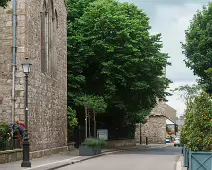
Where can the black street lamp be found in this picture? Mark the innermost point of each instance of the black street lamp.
(26, 162)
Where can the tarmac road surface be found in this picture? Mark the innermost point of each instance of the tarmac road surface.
(155, 158)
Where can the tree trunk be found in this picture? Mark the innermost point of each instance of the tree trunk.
(94, 124)
(89, 124)
(140, 134)
(86, 125)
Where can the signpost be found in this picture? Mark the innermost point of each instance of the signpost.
(102, 134)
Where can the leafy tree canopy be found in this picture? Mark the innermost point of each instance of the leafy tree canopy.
(3, 3)
(72, 120)
(198, 46)
(96, 103)
(112, 54)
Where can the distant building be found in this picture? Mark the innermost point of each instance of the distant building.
(155, 128)
(180, 122)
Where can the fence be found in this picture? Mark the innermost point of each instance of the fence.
(200, 160)
(10, 144)
(185, 154)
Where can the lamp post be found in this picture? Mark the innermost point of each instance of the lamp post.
(26, 162)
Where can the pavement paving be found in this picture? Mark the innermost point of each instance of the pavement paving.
(53, 161)
(157, 158)
(62, 157)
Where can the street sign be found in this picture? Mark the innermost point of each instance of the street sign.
(102, 134)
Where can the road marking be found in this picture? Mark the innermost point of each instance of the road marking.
(178, 166)
(106, 153)
(54, 162)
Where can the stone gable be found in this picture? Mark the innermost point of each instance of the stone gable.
(155, 128)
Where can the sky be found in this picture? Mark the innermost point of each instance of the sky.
(171, 18)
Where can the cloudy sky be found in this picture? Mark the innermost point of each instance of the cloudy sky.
(171, 18)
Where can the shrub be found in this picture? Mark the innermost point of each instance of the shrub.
(4, 131)
(93, 142)
(197, 132)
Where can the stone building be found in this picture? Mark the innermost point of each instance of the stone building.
(155, 128)
(37, 30)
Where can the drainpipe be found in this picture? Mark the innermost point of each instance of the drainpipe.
(14, 59)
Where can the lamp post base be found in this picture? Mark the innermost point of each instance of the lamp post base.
(26, 164)
(26, 161)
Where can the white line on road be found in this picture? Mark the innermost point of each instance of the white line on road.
(65, 160)
(111, 152)
(54, 163)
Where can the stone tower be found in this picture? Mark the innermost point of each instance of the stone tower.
(37, 30)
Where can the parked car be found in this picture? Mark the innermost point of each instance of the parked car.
(177, 141)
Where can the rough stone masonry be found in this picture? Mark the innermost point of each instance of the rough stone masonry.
(155, 127)
(42, 38)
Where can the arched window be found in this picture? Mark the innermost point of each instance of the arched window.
(44, 39)
(54, 42)
(56, 20)
(51, 17)
(48, 40)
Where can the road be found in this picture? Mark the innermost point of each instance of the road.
(134, 159)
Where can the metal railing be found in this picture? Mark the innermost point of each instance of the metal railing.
(10, 144)
(200, 160)
(185, 154)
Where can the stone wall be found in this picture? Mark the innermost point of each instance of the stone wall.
(159, 109)
(47, 94)
(120, 143)
(154, 130)
(17, 155)
(6, 57)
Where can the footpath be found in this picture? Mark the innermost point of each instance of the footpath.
(53, 162)
(180, 162)
(57, 161)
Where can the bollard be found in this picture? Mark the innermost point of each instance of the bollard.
(146, 140)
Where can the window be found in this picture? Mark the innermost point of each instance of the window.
(44, 16)
(48, 38)
(54, 42)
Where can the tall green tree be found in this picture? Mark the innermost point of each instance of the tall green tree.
(198, 46)
(112, 54)
(3, 3)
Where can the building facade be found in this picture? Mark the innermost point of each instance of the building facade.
(37, 30)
